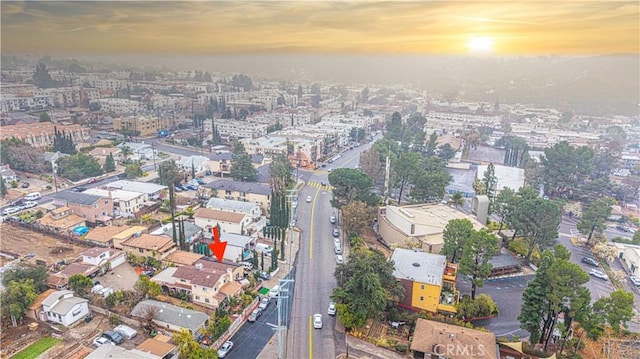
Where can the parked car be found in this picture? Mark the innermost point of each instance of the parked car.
(25, 185)
(336, 232)
(178, 189)
(200, 181)
(30, 204)
(254, 315)
(339, 259)
(125, 331)
(264, 303)
(225, 349)
(598, 274)
(635, 281)
(10, 210)
(263, 275)
(92, 180)
(332, 219)
(622, 228)
(590, 261)
(317, 321)
(113, 336)
(332, 308)
(191, 187)
(102, 341)
(309, 199)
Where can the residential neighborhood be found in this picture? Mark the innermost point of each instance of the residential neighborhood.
(370, 205)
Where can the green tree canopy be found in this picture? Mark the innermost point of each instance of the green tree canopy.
(478, 249)
(455, 236)
(80, 284)
(594, 217)
(26, 271)
(133, 171)
(351, 185)
(616, 309)
(16, 299)
(538, 220)
(109, 164)
(565, 168)
(78, 167)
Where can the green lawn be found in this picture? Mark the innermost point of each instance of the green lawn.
(37, 348)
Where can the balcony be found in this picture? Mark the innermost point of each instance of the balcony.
(450, 272)
(448, 300)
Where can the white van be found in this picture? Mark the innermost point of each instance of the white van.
(265, 248)
(33, 196)
(126, 331)
(273, 292)
(248, 266)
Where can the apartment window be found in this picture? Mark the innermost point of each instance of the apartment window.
(204, 289)
(206, 300)
(421, 298)
(422, 286)
(197, 297)
(183, 280)
(140, 250)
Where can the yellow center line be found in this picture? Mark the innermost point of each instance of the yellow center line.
(313, 207)
(310, 338)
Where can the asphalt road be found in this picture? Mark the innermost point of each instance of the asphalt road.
(316, 264)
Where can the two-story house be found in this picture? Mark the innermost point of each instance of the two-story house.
(191, 232)
(151, 191)
(95, 261)
(253, 192)
(206, 282)
(62, 307)
(146, 245)
(198, 163)
(61, 220)
(220, 164)
(125, 203)
(252, 211)
(206, 219)
(428, 279)
(238, 248)
(95, 210)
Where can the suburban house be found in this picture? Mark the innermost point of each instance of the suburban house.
(113, 236)
(150, 191)
(191, 232)
(252, 210)
(7, 174)
(61, 220)
(182, 258)
(146, 245)
(125, 203)
(206, 282)
(104, 152)
(199, 163)
(139, 151)
(95, 210)
(239, 246)
(418, 226)
(115, 351)
(97, 260)
(158, 348)
(252, 192)
(429, 281)
(206, 219)
(507, 177)
(433, 339)
(64, 308)
(220, 164)
(171, 317)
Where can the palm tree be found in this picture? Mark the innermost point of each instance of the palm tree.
(457, 199)
(126, 152)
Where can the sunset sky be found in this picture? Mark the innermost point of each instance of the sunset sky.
(368, 27)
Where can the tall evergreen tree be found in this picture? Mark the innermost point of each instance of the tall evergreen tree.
(109, 164)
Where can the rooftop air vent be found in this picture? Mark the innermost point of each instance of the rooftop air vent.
(416, 264)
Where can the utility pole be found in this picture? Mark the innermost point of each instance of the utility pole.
(283, 303)
(387, 171)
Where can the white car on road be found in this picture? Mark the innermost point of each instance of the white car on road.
(598, 274)
(332, 308)
(317, 321)
(225, 349)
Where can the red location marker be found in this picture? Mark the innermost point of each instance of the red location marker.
(217, 247)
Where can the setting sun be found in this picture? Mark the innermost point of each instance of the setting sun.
(480, 45)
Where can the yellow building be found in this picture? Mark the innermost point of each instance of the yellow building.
(148, 126)
(429, 281)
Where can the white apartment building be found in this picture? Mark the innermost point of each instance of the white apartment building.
(15, 103)
(232, 129)
(125, 203)
(121, 105)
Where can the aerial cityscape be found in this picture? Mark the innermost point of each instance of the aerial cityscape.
(301, 179)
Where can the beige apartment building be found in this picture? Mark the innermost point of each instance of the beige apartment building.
(148, 126)
(418, 226)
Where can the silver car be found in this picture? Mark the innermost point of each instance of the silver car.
(225, 349)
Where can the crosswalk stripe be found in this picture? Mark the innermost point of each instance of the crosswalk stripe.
(318, 185)
(321, 172)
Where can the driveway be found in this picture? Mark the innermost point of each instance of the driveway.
(121, 278)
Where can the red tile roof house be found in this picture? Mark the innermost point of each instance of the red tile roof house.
(206, 282)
